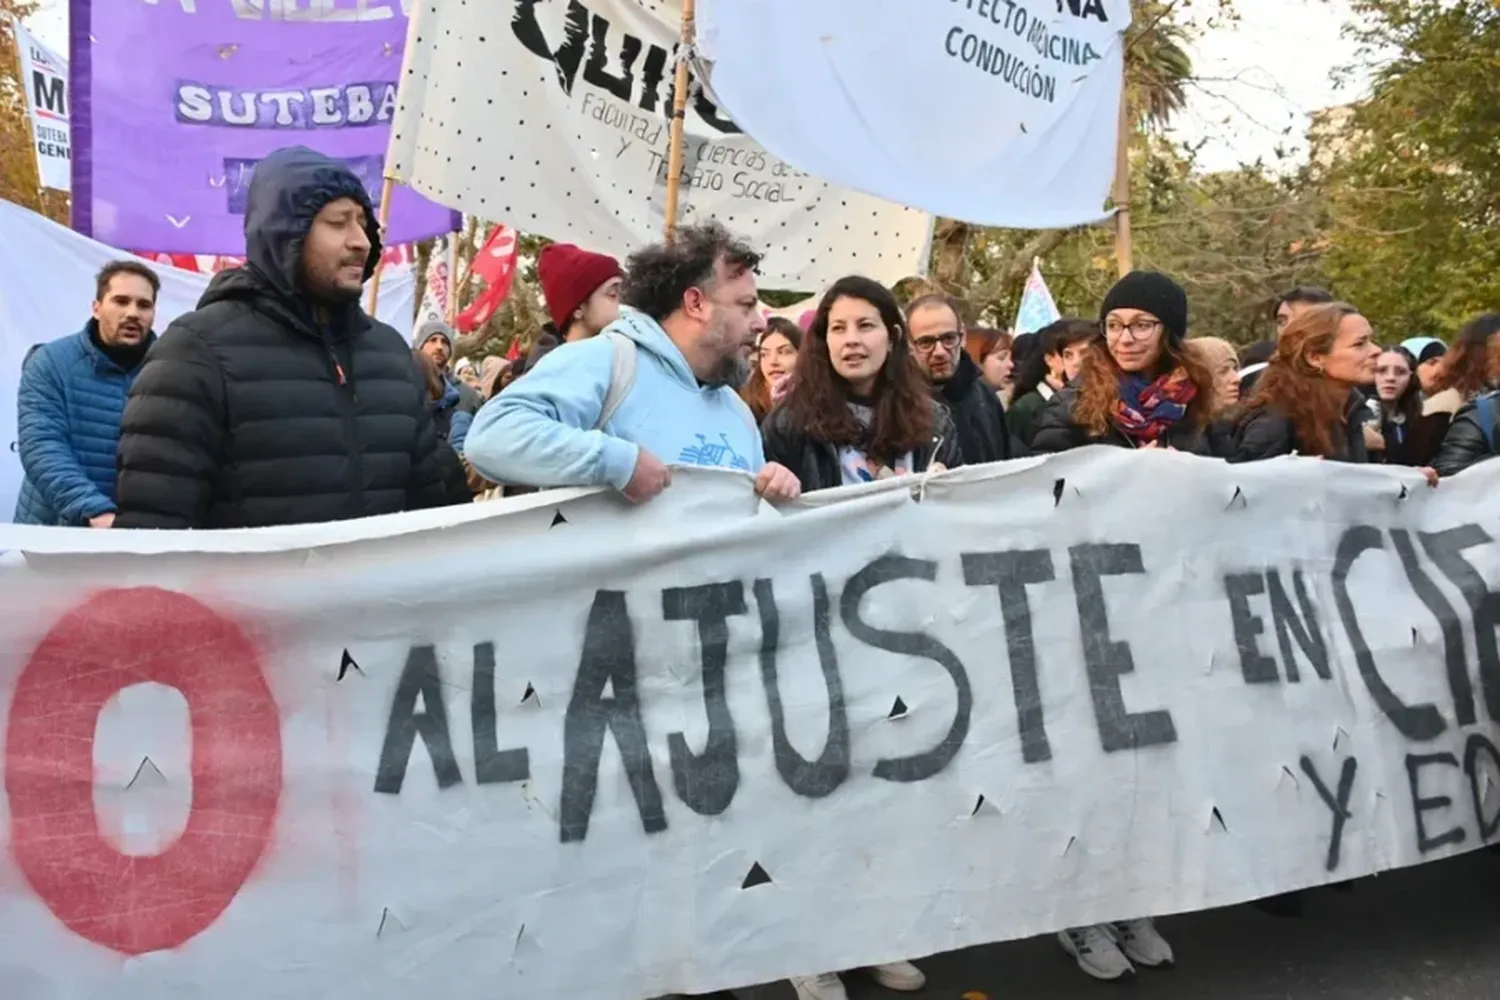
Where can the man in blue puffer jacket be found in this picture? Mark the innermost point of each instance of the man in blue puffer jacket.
(70, 400)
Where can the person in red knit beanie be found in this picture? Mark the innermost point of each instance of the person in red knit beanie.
(582, 290)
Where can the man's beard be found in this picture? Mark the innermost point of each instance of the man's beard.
(734, 368)
(734, 372)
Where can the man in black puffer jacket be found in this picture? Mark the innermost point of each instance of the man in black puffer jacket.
(278, 401)
(937, 339)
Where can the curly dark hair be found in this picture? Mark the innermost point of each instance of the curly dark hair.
(1473, 365)
(1314, 403)
(659, 275)
(905, 413)
(757, 391)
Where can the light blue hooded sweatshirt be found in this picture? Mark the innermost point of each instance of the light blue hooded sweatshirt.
(540, 430)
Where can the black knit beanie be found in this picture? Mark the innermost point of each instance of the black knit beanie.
(1152, 292)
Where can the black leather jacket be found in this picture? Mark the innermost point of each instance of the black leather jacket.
(1465, 443)
(1266, 432)
(816, 463)
(1055, 431)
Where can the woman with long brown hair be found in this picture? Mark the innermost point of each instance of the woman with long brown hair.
(775, 357)
(1470, 369)
(1138, 386)
(859, 408)
(1307, 401)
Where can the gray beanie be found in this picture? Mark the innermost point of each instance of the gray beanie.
(433, 328)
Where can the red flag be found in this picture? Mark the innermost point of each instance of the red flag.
(495, 264)
(514, 354)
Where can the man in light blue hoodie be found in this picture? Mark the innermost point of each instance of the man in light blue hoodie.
(657, 387)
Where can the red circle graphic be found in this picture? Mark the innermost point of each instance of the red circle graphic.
(114, 639)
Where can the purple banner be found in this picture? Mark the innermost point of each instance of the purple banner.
(175, 101)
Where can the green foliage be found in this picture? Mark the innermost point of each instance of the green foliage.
(1415, 199)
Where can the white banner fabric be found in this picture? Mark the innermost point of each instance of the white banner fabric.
(47, 284)
(553, 118)
(997, 112)
(559, 747)
(44, 77)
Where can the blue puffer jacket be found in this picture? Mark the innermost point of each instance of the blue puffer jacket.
(68, 423)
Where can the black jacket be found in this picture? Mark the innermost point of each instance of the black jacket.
(1465, 443)
(978, 417)
(249, 412)
(1263, 433)
(816, 463)
(1055, 431)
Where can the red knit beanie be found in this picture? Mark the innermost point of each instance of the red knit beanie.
(569, 276)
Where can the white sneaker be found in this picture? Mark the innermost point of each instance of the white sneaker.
(1142, 943)
(1095, 949)
(903, 977)
(826, 986)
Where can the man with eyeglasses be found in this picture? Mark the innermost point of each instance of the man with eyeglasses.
(937, 336)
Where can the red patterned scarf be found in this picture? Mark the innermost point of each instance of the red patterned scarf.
(1145, 411)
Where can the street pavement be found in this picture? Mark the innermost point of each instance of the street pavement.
(1426, 933)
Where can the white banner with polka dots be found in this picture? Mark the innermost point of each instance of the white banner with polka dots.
(553, 116)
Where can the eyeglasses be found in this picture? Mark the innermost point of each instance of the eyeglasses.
(949, 340)
(1139, 329)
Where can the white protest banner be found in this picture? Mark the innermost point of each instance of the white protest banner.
(998, 112)
(47, 276)
(561, 747)
(44, 77)
(553, 118)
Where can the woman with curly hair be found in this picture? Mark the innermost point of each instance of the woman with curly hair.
(775, 356)
(859, 408)
(1470, 369)
(1139, 386)
(1308, 400)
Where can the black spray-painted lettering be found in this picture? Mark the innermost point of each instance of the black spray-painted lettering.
(1418, 723)
(1427, 843)
(1447, 618)
(491, 764)
(811, 779)
(1445, 549)
(584, 30)
(1011, 572)
(1107, 660)
(888, 569)
(1257, 667)
(608, 662)
(1480, 744)
(419, 679)
(1337, 802)
(707, 782)
(1306, 629)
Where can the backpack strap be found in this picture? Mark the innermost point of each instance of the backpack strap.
(621, 375)
(1484, 410)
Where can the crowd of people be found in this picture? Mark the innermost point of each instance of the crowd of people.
(279, 401)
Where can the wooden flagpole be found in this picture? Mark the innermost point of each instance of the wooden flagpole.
(454, 287)
(383, 217)
(1124, 249)
(679, 116)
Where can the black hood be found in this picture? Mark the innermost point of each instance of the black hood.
(289, 188)
(963, 378)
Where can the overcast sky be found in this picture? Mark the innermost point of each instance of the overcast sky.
(1258, 77)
